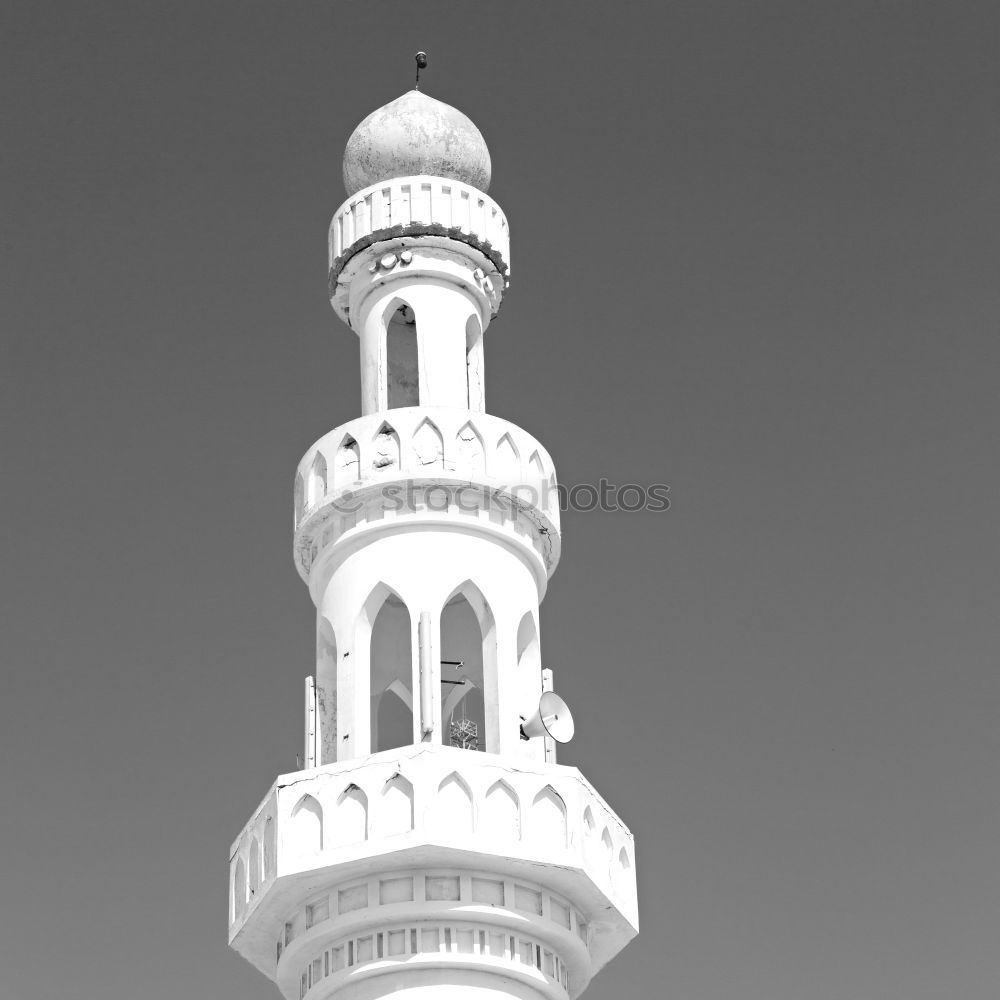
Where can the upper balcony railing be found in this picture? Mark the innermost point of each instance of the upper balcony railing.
(432, 206)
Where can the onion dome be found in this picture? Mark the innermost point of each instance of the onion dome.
(412, 135)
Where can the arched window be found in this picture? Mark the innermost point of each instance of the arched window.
(391, 675)
(326, 692)
(468, 672)
(402, 357)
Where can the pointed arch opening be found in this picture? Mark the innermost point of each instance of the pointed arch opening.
(607, 845)
(469, 672)
(470, 452)
(391, 666)
(537, 479)
(591, 849)
(548, 818)
(385, 448)
(501, 817)
(326, 692)
(306, 827)
(254, 876)
(428, 446)
(402, 356)
(347, 468)
(350, 825)
(451, 811)
(316, 484)
(396, 808)
(507, 462)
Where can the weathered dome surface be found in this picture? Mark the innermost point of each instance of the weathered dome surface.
(416, 134)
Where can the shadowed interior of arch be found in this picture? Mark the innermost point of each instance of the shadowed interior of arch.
(392, 677)
(402, 361)
(463, 711)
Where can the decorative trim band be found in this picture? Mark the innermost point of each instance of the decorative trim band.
(459, 943)
(418, 206)
(416, 229)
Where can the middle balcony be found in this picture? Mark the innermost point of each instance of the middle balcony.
(440, 461)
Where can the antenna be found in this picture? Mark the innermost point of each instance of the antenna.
(421, 58)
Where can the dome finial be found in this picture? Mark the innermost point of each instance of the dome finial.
(421, 58)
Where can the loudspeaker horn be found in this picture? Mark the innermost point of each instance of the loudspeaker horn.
(552, 718)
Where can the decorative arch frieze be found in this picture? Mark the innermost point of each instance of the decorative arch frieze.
(350, 818)
(452, 812)
(347, 465)
(547, 824)
(395, 815)
(428, 447)
(385, 448)
(306, 827)
(501, 812)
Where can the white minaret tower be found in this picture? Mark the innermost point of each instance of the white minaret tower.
(431, 847)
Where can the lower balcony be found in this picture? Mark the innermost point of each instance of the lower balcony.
(500, 857)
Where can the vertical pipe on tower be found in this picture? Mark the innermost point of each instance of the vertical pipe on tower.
(426, 677)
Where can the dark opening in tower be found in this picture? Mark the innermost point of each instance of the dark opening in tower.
(391, 675)
(463, 710)
(402, 356)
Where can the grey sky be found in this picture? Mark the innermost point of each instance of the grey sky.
(755, 256)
